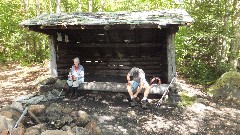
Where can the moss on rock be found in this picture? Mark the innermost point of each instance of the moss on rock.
(227, 87)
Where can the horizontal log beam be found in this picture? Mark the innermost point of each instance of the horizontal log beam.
(146, 59)
(78, 45)
(106, 67)
(118, 87)
(97, 26)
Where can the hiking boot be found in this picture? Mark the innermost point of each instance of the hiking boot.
(75, 94)
(71, 91)
(144, 104)
(133, 103)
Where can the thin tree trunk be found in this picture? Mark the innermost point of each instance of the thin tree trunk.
(26, 5)
(90, 5)
(50, 6)
(79, 9)
(234, 46)
(101, 6)
(37, 6)
(225, 30)
(58, 3)
(222, 37)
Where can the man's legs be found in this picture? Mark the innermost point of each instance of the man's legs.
(131, 87)
(146, 92)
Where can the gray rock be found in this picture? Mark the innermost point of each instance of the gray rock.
(49, 95)
(60, 83)
(227, 87)
(32, 131)
(55, 116)
(36, 130)
(93, 128)
(18, 131)
(68, 129)
(17, 105)
(45, 88)
(3, 123)
(42, 80)
(10, 113)
(49, 81)
(55, 92)
(54, 132)
(80, 131)
(81, 118)
(23, 97)
(37, 109)
(6, 123)
(34, 99)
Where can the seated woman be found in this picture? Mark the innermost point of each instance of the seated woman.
(75, 77)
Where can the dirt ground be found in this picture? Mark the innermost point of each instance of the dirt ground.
(115, 117)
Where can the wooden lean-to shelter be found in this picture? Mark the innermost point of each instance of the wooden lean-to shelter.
(109, 44)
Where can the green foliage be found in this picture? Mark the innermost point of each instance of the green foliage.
(18, 44)
(202, 49)
(186, 100)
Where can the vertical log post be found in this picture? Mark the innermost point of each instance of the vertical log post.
(53, 56)
(171, 53)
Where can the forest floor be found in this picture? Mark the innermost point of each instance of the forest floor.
(115, 117)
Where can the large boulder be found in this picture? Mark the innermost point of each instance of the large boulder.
(6, 123)
(54, 132)
(18, 131)
(227, 87)
(37, 109)
(56, 117)
(81, 118)
(93, 128)
(36, 130)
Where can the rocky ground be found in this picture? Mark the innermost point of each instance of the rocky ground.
(112, 113)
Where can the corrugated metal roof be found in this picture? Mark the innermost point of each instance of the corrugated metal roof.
(160, 17)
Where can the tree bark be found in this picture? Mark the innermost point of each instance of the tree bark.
(101, 6)
(26, 5)
(235, 43)
(50, 6)
(90, 5)
(58, 4)
(37, 6)
(79, 9)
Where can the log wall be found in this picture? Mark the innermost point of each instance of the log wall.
(114, 56)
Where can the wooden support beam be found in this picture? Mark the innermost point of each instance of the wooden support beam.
(107, 37)
(118, 87)
(53, 57)
(118, 45)
(171, 54)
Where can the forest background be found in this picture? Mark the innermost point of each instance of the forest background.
(205, 50)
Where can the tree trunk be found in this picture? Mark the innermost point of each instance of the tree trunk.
(50, 6)
(58, 3)
(37, 6)
(26, 5)
(222, 37)
(90, 5)
(101, 6)
(79, 9)
(235, 43)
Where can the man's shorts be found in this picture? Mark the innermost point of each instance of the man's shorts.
(135, 85)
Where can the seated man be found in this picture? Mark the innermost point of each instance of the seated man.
(75, 77)
(135, 86)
